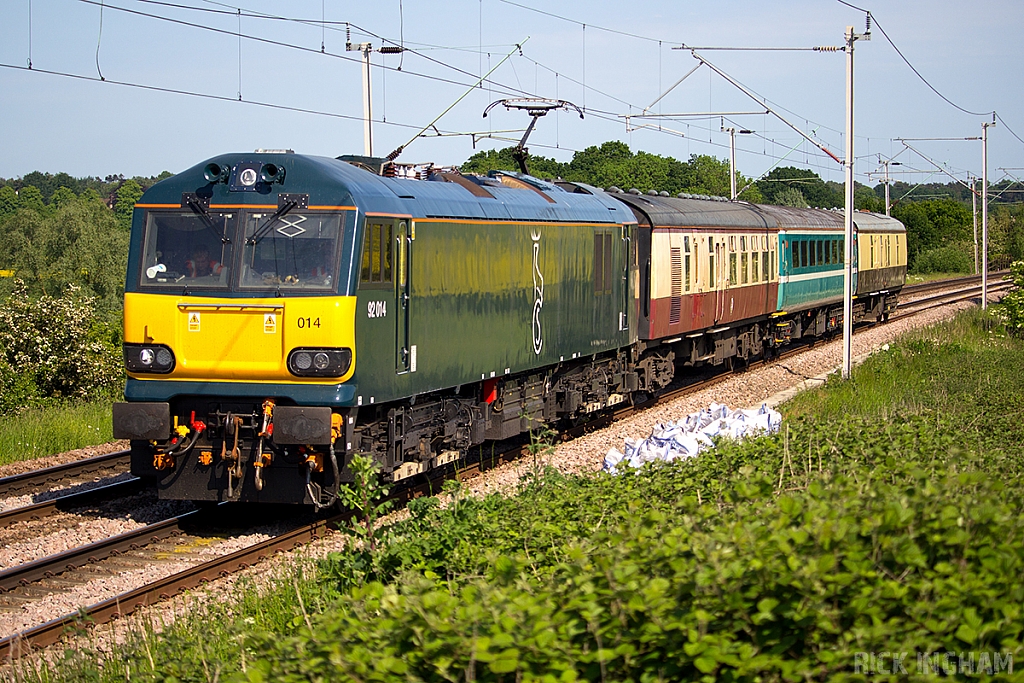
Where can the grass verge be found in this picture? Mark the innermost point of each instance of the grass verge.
(37, 432)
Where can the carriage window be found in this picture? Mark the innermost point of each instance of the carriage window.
(732, 269)
(744, 264)
(804, 258)
(686, 272)
(711, 271)
(764, 266)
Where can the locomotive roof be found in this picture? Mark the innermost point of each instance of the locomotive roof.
(331, 182)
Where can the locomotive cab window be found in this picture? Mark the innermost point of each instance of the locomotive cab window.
(294, 251)
(187, 248)
(377, 254)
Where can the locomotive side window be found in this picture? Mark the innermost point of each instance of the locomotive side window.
(377, 254)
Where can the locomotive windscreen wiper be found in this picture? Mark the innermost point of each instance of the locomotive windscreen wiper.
(263, 230)
(201, 211)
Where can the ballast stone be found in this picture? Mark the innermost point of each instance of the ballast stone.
(694, 433)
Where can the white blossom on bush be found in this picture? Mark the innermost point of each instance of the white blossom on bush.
(54, 348)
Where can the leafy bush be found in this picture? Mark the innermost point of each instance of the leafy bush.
(860, 539)
(55, 348)
(953, 258)
(1012, 303)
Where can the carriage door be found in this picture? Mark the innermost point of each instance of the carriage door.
(720, 276)
(406, 354)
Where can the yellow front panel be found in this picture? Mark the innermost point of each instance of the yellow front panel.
(235, 340)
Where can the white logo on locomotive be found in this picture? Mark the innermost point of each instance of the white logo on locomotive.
(538, 294)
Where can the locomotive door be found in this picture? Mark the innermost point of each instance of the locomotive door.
(406, 354)
(624, 288)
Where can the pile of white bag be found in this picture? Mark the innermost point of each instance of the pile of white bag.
(694, 433)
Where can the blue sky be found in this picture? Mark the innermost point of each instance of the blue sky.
(968, 51)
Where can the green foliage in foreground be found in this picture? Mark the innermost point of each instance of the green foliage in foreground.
(884, 525)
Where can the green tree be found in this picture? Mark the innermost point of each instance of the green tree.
(502, 160)
(127, 195)
(63, 196)
(30, 198)
(78, 244)
(934, 224)
(864, 198)
(811, 186)
(8, 201)
(790, 196)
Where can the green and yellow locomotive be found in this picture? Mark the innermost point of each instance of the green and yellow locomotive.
(284, 312)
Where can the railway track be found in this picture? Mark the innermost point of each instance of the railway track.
(143, 545)
(80, 471)
(71, 501)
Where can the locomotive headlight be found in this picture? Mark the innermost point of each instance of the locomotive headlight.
(149, 358)
(247, 177)
(319, 362)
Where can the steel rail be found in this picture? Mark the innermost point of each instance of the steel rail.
(117, 460)
(74, 558)
(64, 503)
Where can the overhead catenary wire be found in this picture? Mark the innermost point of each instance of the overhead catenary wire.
(201, 95)
(325, 25)
(507, 89)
